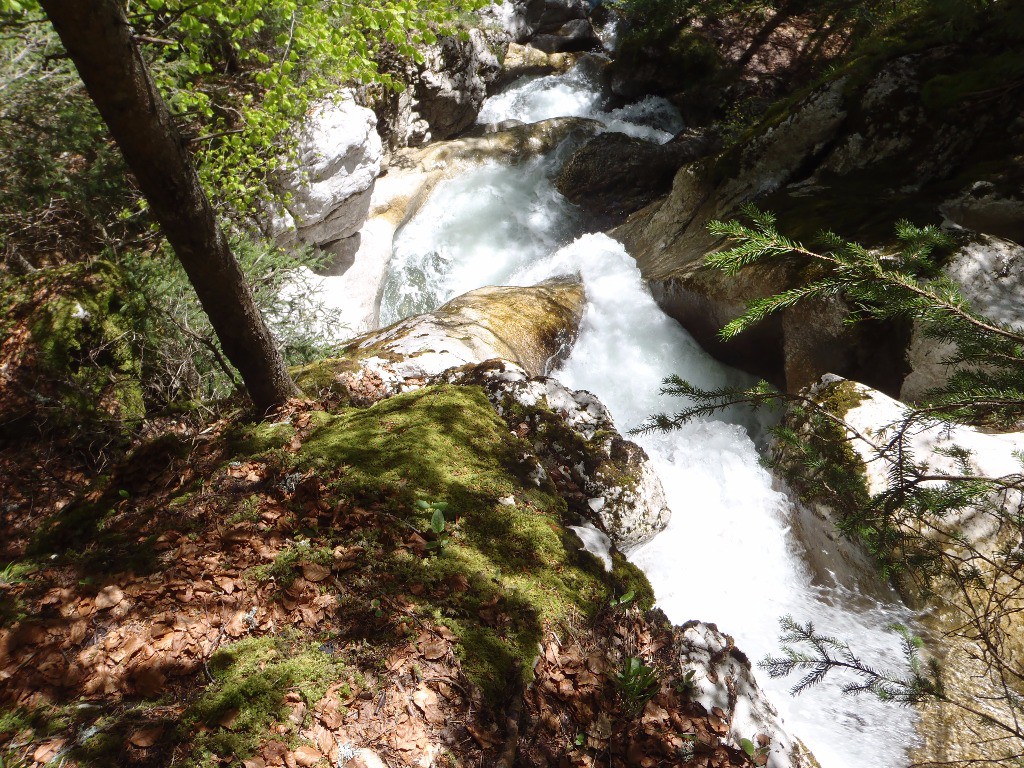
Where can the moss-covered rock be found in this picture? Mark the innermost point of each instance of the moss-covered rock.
(534, 327)
(505, 532)
(575, 445)
(853, 463)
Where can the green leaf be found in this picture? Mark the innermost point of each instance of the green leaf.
(437, 521)
(748, 746)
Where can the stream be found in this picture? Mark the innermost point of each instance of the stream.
(731, 554)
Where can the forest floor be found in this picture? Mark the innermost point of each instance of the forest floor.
(222, 596)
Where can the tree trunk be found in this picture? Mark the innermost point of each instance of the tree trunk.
(97, 37)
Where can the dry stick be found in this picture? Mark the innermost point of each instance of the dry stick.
(207, 655)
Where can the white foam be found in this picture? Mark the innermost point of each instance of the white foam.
(579, 93)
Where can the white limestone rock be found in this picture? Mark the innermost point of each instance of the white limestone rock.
(725, 682)
(338, 161)
(990, 273)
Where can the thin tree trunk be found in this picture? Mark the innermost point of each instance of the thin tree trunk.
(98, 39)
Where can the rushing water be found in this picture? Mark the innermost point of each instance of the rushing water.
(729, 555)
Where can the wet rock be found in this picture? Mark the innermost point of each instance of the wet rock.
(339, 158)
(533, 327)
(526, 60)
(983, 537)
(614, 175)
(554, 14)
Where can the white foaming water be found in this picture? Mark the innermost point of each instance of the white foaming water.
(578, 93)
(475, 230)
(729, 555)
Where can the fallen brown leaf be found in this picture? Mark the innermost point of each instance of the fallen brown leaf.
(146, 737)
(307, 756)
(46, 752)
(108, 597)
(482, 737)
(228, 719)
(315, 572)
(434, 650)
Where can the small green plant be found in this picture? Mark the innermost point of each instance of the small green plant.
(638, 683)
(687, 686)
(757, 754)
(15, 573)
(11, 759)
(439, 535)
(626, 599)
(248, 511)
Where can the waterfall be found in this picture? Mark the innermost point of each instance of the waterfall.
(730, 555)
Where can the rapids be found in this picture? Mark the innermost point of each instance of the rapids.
(730, 554)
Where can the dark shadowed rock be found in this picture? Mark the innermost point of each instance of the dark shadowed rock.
(613, 174)
(575, 35)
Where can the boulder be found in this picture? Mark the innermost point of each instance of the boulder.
(990, 274)
(724, 682)
(984, 207)
(444, 92)
(533, 327)
(614, 175)
(605, 478)
(555, 14)
(575, 35)
(977, 537)
(526, 60)
(329, 188)
(452, 83)
(503, 340)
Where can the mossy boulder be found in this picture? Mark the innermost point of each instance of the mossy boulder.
(605, 478)
(858, 461)
(534, 327)
(506, 525)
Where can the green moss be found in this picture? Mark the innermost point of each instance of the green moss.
(983, 74)
(819, 462)
(80, 341)
(525, 571)
(253, 439)
(253, 677)
(320, 379)
(842, 397)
